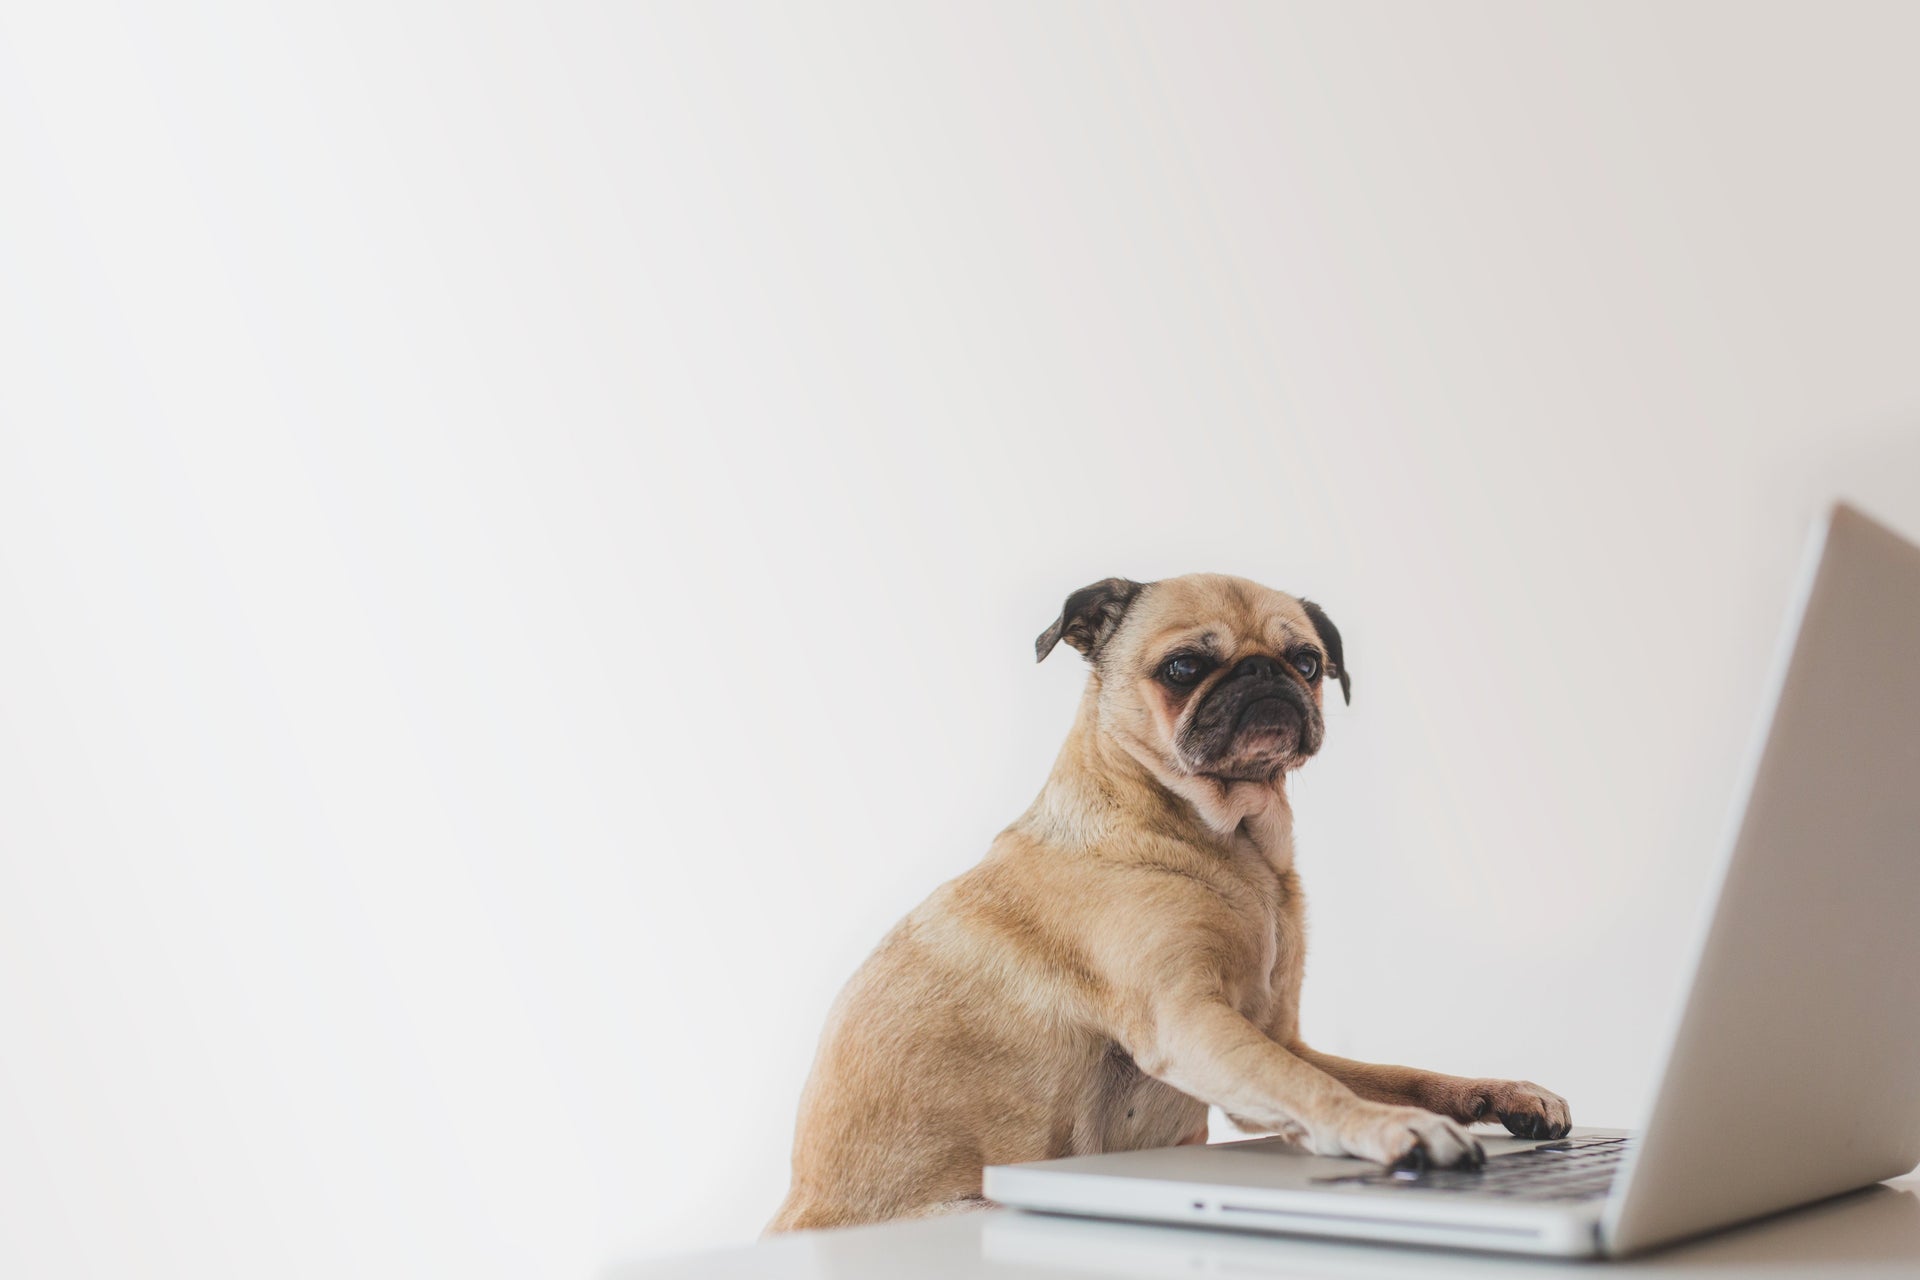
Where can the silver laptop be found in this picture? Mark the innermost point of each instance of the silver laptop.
(1793, 1071)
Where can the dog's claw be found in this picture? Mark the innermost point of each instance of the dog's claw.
(1527, 1125)
(1527, 1110)
(1417, 1159)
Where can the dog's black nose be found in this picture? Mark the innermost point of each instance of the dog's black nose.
(1259, 666)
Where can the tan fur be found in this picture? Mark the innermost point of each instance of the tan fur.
(1129, 951)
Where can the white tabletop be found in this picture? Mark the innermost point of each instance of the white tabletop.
(1875, 1232)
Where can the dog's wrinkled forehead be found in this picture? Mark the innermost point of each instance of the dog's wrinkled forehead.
(1221, 615)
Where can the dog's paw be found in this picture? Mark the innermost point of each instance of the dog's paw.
(1403, 1137)
(1524, 1107)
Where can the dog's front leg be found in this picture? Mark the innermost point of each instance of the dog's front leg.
(1203, 1047)
(1524, 1107)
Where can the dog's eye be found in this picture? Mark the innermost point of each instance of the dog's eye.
(1306, 662)
(1184, 669)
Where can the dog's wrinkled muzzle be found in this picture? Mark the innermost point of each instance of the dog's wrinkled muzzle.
(1256, 707)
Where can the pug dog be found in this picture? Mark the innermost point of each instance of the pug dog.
(1130, 949)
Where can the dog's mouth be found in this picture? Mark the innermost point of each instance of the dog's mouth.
(1268, 731)
(1249, 731)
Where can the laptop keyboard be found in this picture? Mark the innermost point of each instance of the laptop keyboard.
(1570, 1169)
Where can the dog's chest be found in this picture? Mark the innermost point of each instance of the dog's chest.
(1131, 1110)
(1268, 990)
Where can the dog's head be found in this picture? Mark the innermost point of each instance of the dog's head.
(1216, 676)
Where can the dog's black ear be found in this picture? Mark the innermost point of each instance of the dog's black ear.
(1330, 637)
(1088, 617)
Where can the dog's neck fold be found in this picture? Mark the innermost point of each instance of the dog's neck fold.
(1101, 779)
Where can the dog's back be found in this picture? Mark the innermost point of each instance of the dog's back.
(920, 1046)
(969, 1037)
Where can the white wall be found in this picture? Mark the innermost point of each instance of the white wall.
(522, 529)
